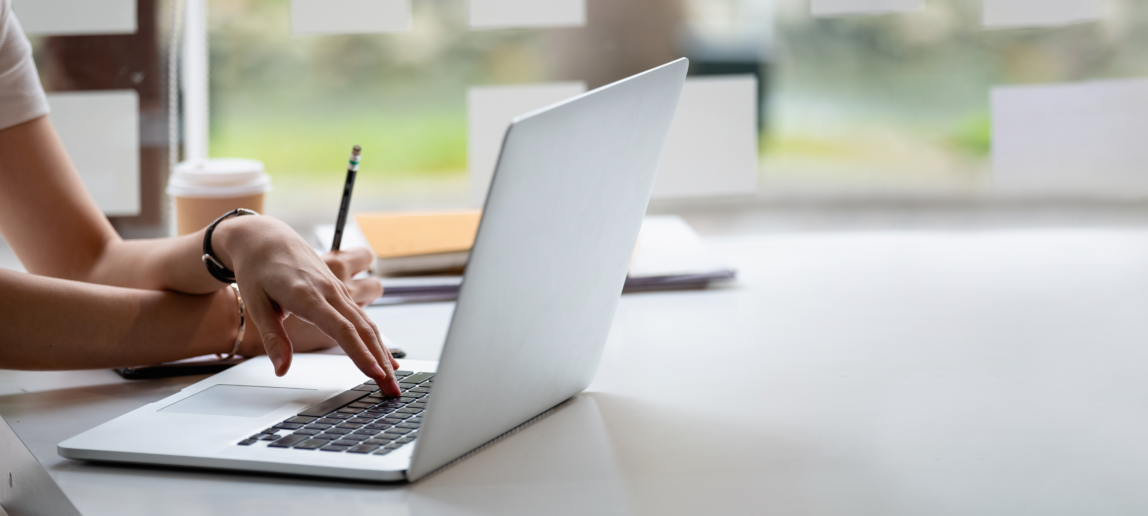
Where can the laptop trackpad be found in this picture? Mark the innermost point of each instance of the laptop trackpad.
(238, 400)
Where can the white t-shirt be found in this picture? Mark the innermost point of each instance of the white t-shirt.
(21, 95)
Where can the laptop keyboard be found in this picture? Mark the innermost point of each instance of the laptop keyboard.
(361, 420)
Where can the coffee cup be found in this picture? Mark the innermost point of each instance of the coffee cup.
(202, 190)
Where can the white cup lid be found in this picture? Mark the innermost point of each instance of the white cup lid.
(218, 177)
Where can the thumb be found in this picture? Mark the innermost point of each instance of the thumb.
(268, 317)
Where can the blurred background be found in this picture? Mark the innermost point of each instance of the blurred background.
(871, 120)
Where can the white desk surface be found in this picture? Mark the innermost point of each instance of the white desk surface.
(848, 373)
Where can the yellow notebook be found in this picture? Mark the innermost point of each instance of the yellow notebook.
(411, 243)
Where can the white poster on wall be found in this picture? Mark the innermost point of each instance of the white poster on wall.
(327, 17)
(1082, 138)
(847, 7)
(489, 112)
(711, 150)
(1006, 14)
(100, 130)
(501, 14)
(76, 17)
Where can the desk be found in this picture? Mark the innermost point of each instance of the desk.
(848, 373)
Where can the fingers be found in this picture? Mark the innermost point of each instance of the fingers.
(365, 291)
(347, 263)
(370, 336)
(343, 321)
(267, 316)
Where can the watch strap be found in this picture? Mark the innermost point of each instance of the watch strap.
(214, 266)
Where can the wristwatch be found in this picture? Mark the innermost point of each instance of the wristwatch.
(214, 266)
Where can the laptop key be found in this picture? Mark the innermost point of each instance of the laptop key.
(306, 431)
(422, 388)
(418, 377)
(361, 420)
(370, 382)
(366, 431)
(327, 437)
(335, 449)
(403, 373)
(399, 430)
(379, 442)
(289, 426)
(289, 441)
(409, 410)
(317, 426)
(268, 437)
(301, 419)
(336, 401)
(406, 439)
(248, 442)
(410, 425)
(337, 431)
(350, 426)
(311, 444)
(417, 405)
(364, 448)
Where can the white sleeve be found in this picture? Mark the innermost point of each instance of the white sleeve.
(21, 95)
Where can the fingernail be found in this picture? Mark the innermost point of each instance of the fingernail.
(276, 358)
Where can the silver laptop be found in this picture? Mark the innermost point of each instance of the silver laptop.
(545, 274)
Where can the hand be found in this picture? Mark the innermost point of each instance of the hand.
(347, 264)
(280, 275)
(305, 337)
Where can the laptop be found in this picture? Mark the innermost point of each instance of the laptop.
(544, 277)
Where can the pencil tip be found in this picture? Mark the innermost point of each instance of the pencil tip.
(357, 149)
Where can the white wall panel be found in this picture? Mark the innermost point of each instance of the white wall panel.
(100, 130)
(76, 17)
(712, 146)
(1082, 138)
(325, 17)
(1004, 14)
(497, 14)
(489, 112)
(847, 7)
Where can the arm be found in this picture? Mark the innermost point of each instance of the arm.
(56, 229)
(57, 324)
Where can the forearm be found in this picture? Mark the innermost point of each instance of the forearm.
(176, 263)
(56, 324)
(157, 264)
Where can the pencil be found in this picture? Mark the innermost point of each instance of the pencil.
(348, 187)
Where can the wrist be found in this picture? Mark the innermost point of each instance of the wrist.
(230, 233)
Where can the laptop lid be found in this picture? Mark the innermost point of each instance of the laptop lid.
(544, 276)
